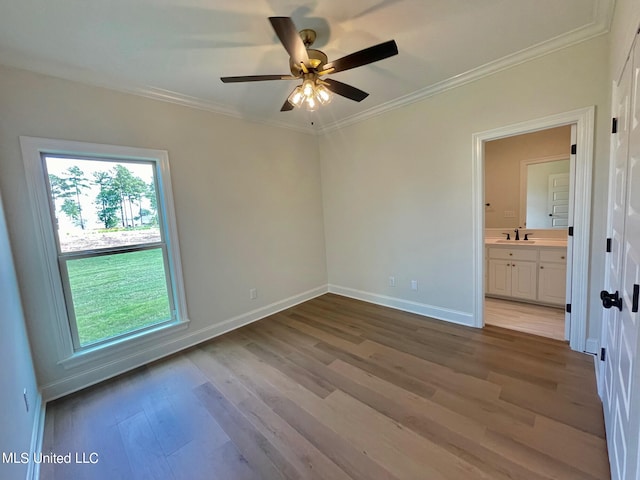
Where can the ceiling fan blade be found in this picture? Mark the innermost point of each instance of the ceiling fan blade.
(256, 78)
(364, 57)
(290, 38)
(345, 90)
(286, 106)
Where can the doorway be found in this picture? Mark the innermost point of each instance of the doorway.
(578, 244)
(527, 184)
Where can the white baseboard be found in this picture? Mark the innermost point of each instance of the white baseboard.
(37, 436)
(448, 315)
(592, 346)
(169, 346)
(596, 365)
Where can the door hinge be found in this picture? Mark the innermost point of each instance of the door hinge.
(574, 149)
(571, 231)
(568, 308)
(603, 354)
(614, 125)
(608, 245)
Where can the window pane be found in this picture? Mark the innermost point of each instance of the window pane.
(115, 294)
(102, 204)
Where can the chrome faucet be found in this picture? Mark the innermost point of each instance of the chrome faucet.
(517, 234)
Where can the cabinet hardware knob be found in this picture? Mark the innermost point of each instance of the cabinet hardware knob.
(562, 257)
(513, 264)
(541, 267)
(511, 254)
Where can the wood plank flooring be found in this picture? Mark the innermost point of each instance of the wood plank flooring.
(340, 389)
(525, 317)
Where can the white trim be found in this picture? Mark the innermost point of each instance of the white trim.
(596, 366)
(524, 177)
(32, 149)
(117, 347)
(599, 27)
(603, 12)
(584, 120)
(592, 346)
(158, 350)
(37, 436)
(47, 251)
(439, 313)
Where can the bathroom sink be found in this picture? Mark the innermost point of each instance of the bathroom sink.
(517, 242)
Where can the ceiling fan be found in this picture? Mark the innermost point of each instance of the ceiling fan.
(312, 66)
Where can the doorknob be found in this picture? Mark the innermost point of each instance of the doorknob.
(611, 299)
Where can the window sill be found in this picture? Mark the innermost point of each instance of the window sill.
(130, 345)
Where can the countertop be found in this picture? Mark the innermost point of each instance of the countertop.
(534, 242)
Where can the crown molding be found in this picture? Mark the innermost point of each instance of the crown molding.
(603, 13)
(86, 77)
(201, 104)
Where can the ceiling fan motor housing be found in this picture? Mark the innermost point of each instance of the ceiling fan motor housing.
(317, 60)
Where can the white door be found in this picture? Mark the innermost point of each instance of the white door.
(558, 199)
(621, 395)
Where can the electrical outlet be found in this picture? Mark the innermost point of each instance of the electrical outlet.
(414, 284)
(26, 399)
(392, 281)
(253, 294)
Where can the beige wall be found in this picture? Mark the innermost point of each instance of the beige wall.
(502, 170)
(18, 372)
(397, 188)
(248, 205)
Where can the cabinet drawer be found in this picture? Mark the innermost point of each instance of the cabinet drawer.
(525, 253)
(553, 255)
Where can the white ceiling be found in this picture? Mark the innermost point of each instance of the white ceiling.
(177, 50)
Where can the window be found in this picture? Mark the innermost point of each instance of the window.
(109, 234)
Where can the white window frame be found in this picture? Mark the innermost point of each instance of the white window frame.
(33, 151)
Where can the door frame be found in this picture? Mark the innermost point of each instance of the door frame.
(584, 119)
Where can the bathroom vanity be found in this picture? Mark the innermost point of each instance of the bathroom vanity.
(527, 271)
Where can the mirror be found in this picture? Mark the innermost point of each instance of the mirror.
(544, 193)
(517, 173)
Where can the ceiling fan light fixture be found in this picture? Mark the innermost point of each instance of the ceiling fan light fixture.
(311, 94)
(312, 104)
(308, 88)
(297, 97)
(323, 94)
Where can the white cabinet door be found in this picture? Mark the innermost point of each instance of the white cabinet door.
(552, 283)
(621, 396)
(523, 280)
(499, 277)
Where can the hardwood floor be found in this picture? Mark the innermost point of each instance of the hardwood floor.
(525, 317)
(337, 389)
